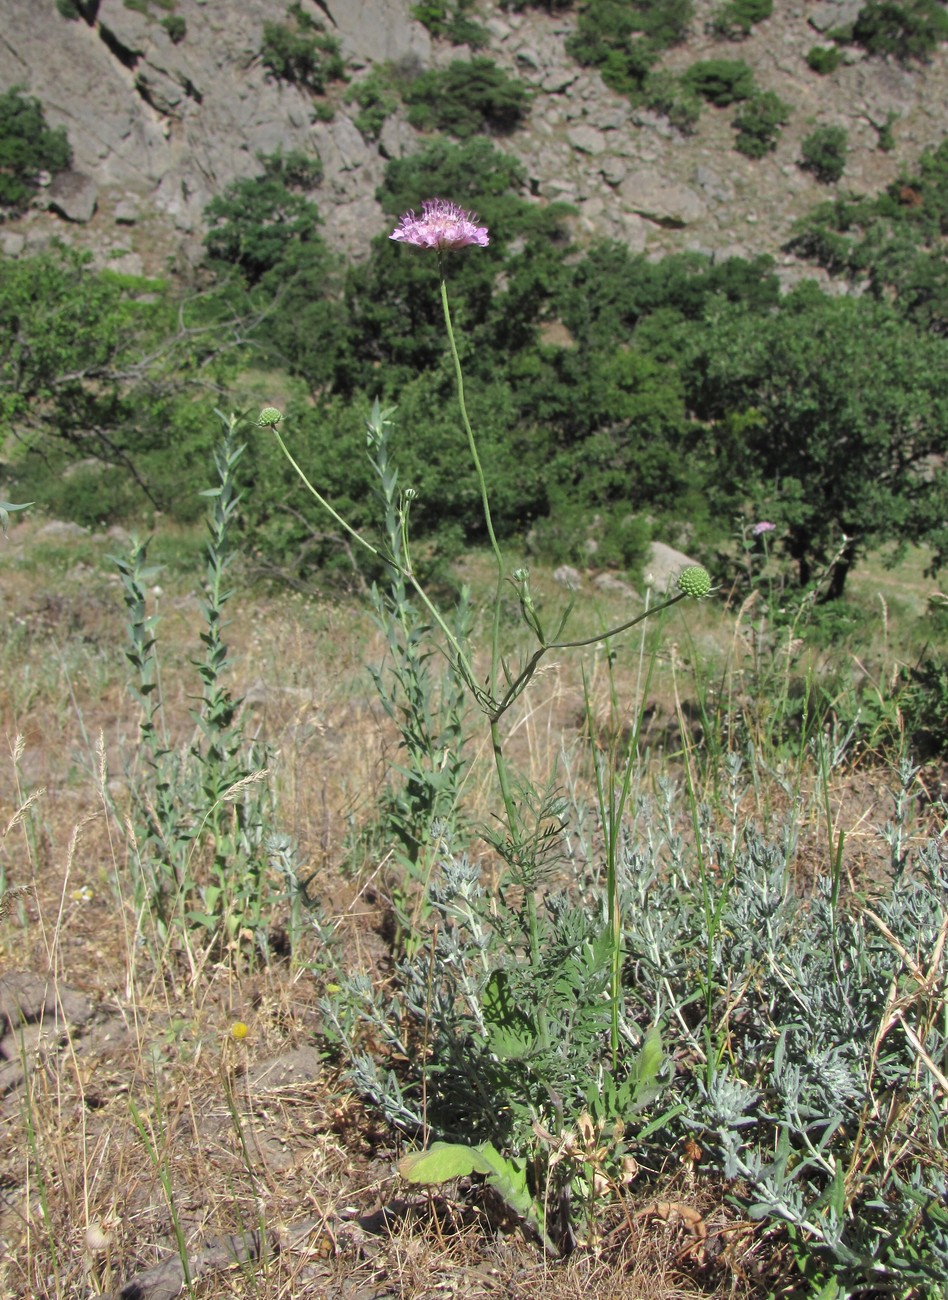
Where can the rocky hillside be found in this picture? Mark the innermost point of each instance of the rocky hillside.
(158, 126)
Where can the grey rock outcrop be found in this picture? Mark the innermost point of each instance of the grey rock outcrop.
(176, 123)
(161, 127)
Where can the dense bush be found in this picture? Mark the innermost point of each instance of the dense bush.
(452, 22)
(720, 81)
(95, 366)
(27, 147)
(891, 241)
(375, 94)
(908, 30)
(824, 59)
(467, 99)
(255, 221)
(301, 52)
(923, 703)
(758, 123)
(623, 40)
(681, 389)
(823, 152)
(666, 94)
(736, 18)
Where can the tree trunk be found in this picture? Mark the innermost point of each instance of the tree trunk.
(839, 573)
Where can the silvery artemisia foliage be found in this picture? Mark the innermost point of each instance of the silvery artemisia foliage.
(800, 1080)
(776, 1005)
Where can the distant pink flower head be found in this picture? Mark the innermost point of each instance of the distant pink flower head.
(763, 527)
(441, 225)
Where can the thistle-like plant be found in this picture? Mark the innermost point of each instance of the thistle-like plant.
(513, 1002)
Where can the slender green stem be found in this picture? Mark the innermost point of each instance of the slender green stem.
(321, 499)
(485, 500)
(503, 776)
(518, 685)
(465, 667)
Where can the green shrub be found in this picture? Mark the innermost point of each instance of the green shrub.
(607, 538)
(27, 147)
(923, 703)
(910, 30)
(737, 18)
(551, 6)
(176, 27)
(452, 22)
(377, 101)
(255, 221)
(720, 81)
(624, 40)
(665, 22)
(467, 99)
(758, 124)
(823, 152)
(824, 59)
(68, 9)
(664, 93)
(301, 53)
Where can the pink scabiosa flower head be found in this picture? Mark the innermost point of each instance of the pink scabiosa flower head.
(765, 526)
(441, 225)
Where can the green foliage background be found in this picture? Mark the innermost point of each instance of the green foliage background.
(612, 396)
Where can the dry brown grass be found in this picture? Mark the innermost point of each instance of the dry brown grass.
(255, 1135)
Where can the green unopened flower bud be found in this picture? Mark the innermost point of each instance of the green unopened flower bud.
(269, 416)
(521, 575)
(694, 581)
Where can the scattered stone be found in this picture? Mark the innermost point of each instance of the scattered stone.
(298, 1066)
(167, 127)
(667, 202)
(611, 585)
(558, 80)
(614, 169)
(834, 13)
(127, 210)
(586, 139)
(124, 261)
(397, 139)
(569, 577)
(60, 530)
(73, 196)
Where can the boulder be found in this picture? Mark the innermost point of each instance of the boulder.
(73, 196)
(568, 577)
(663, 566)
(669, 203)
(834, 13)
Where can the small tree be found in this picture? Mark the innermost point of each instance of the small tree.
(301, 52)
(256, 220)
(27, 147)
(848, 429)
(823, 153)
